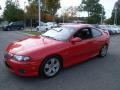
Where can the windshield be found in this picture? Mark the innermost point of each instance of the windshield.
(61, 34)
(11, 23)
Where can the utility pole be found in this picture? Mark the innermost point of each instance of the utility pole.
(39, 16)
(0, 8)
(115, 17)
(102, 16)
(24, 16)
(63, 16)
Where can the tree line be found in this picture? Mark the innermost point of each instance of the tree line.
(95, 12)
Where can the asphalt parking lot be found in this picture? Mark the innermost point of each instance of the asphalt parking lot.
(95, 74)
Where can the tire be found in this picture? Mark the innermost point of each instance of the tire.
(37, 29)
(8, 29)
(46, 29)
(103, 51)
(22, 28)
(51, 67)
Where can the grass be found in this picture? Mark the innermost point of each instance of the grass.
(31, 32)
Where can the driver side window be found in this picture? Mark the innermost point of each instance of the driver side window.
(84, 33)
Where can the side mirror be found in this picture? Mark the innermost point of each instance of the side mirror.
(76, 39)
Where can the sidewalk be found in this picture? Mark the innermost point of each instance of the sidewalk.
(29, 29)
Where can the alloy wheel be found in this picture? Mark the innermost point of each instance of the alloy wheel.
(51, 67)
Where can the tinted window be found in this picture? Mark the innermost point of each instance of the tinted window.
(96, 32)
(12, 23)
(84, 33)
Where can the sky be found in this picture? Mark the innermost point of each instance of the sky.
(108, 5)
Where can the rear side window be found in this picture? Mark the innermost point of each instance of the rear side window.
(96, 33)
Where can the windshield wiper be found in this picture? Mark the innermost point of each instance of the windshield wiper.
(46, 36)
(57, 30)
(49, 37)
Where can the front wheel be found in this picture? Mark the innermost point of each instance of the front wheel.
(103, 51)
(51, 66)
(46, 29)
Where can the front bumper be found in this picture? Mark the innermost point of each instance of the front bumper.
(23, 68)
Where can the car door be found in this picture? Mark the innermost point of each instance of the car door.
(97, 40)
(13, 26)
(80, 51)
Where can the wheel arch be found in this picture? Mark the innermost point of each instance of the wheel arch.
(106, 45)
(52, 55)
(49, 56)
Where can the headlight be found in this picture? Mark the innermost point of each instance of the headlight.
(21, 58)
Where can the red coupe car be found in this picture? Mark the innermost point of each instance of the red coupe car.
(58, 48)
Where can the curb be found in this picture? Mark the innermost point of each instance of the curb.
(25, 33)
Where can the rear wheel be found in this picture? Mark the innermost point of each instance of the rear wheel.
(51, 66)
(22, 28)
(37, 29)
(103, 51)
(8, 29)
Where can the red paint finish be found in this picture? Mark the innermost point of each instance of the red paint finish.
(38, 48)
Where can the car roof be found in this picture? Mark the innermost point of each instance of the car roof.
(77, 26)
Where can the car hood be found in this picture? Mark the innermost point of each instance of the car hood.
(30, 44)
(5, 25)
